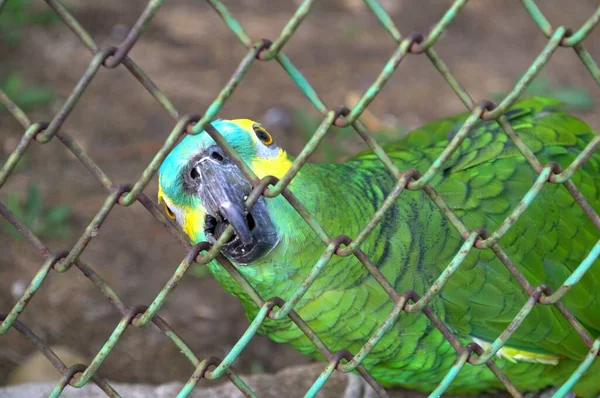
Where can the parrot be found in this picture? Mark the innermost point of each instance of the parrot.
(274, 248)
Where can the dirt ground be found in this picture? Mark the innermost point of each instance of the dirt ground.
(190, 54)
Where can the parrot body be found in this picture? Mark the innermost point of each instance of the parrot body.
(482, 182)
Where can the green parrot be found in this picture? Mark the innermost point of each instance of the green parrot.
(482, 182)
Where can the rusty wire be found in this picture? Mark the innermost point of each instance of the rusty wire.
(202, 253)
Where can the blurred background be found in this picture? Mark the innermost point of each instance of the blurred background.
(190, 54)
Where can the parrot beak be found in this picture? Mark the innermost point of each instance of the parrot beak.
(223, 196)
(223, 190)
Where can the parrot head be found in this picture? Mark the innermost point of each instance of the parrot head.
(204, 191)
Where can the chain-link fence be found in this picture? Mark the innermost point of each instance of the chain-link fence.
(274, 308)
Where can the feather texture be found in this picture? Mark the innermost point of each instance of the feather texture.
(482, 182)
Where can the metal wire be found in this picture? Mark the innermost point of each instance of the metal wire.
(275, 308)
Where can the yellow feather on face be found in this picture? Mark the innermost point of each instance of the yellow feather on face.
(192, 218)
(246, 125)
(194, 222)
(276, 166)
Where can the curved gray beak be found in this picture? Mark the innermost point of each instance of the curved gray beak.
(223, 191)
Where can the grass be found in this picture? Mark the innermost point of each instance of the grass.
(19, 14)
(49, 222)
(25, 97)
(15, 16)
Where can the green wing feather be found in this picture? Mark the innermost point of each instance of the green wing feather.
(482, 183)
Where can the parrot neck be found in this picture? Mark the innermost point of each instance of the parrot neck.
(342, 198)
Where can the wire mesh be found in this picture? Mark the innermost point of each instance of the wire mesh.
(275, 308)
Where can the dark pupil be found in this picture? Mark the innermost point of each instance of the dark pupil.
(262, 136)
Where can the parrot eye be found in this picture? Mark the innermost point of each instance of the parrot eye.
(169, 211)
(262, 134)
